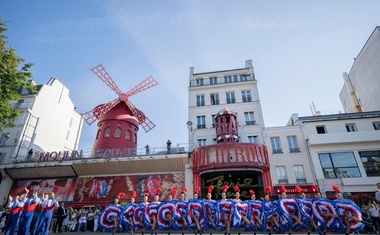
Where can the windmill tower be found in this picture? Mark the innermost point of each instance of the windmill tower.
(118, 119)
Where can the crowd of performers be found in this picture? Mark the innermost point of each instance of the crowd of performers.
(22, 209)
(266, 216)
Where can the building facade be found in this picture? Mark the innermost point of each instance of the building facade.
(344, 150)
(362, 84)
(226, 131)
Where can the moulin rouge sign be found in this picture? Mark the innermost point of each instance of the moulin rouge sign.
(75, 155)
(230, 153)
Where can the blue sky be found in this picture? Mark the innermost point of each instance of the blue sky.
(299, 51)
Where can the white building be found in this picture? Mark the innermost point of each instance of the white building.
(362, 84)
(48, 122)
(235, 90)
(344, 149)
(289, 158)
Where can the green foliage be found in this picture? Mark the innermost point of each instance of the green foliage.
(14, 75)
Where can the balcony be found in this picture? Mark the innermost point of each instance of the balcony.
(214, 102)
(294, 150)
(277, 151)
(201, 126)
(200, 103)
(301, 181)
(247, 99)
(231, 101)
(283, 181)
(249, 122)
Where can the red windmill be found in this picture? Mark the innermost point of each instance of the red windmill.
(119, 118)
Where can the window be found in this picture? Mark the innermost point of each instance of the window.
(246, 96)
(276, 145)
(350, 127)
(201, 142)
(213, 80)
(376, 125)
(281, 175)
(292, 143)
(199, 82)
(213, 120)
(243, 78)
(117, 133)
(200, 100)
(107, 132)
(371, 162)
(230, 97)
(214, 99)
(227, 79)
(201, 122)
(321, 129)
(128, 135)
(339, 165)
(214, 141)
(236, 78)
(253, 139)
(249, 118)
(300, 174)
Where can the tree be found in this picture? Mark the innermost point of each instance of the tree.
(14, 76)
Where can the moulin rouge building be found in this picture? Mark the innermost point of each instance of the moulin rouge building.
(225, 147)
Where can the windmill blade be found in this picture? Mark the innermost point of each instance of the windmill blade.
(142, 86)
(106, 78)
(94, 114)
(144, 121)
(147, 125)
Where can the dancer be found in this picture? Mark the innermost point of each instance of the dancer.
(182, 211)
(15, 205)
(153, 211)
(270, 211)
(143, 205)
(291, 213)
(242, 213)
(169, 214)
(209, 205)
(255, 216)
(30, 203)
(226, 216)
(194, 214)
(130, 213)
(48, 204)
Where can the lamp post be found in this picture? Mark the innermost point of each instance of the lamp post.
(190, 129)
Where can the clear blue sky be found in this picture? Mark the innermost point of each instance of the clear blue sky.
(299, 51)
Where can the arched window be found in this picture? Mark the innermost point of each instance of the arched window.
(107, 132)
(134, 138)
(128, 135)
(117, 133)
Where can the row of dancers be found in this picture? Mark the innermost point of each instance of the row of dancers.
(283, 215)
(21, 212)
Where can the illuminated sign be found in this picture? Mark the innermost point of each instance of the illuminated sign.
(230, 153)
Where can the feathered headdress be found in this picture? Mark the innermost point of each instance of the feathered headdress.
(299, 189)
(147, 191)
(225, 188)
(210, 188)
(336, 188)
(119, 195)
(184, 190)
(268, 190)
(197, 190)
(134, 194)
(173, 192)
(158, 191)
(236, 189)
(315, 188)
(282, 189)
(251, 192)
